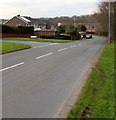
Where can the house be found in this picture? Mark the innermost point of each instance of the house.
(42, 27)
(26, 21)
(18, 21)
(2, 21)
(91, 30)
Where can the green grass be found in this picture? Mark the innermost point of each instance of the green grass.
(6, 47)
(39, 40)
(97, 97)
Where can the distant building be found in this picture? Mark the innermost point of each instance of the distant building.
(2, 21)
(91, 30)
(59, 24)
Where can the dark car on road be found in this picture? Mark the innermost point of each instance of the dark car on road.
(88, 36)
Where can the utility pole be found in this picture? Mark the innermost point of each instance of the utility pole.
(74, 23)
(109, 23)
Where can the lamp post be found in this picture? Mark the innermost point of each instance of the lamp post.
(74, 22)
(109, 24)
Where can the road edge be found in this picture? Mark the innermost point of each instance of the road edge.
(74, 96)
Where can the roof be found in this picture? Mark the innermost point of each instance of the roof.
(3, 21)
(23, 18)
(35, 20)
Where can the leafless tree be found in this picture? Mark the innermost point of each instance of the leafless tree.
(103, 18)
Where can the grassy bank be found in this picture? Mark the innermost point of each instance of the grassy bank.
(97, 97)
(6, 47)
(39, 40)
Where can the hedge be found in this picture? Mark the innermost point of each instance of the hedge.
(26, 29)
(16, 30)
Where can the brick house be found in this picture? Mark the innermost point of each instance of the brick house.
(2, 21)
(26, 21)
(91, 30)
(41, 28)
(18, 21)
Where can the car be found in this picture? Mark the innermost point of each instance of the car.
(88, 36)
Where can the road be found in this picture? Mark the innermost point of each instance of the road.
(36, 82)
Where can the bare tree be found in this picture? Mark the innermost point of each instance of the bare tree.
(103, 18)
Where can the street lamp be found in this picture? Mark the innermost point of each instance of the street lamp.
(109, 24)
(74, 22)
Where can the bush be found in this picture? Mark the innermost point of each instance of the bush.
(63, 37)
(26, 29)
(6, 29)
(61, 29)
(68, 29)
(78, 36)
(16, 30)
(47, 37)
(104, 33)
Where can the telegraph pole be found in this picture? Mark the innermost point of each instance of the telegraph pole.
(74, 23)
(109, 23)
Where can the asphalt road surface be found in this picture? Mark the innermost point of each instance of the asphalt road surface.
(37, 81)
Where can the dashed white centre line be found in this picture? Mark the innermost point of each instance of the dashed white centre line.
(73, 46)
(12, 66)
(62, 49)
(46, 45)
(44, 55)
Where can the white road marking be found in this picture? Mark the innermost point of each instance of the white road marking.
(44, 55)
(62, 49)
(55, 43)
(42, 46)
(47, 45)
(12, 66)
(73, 46)
(79, 44)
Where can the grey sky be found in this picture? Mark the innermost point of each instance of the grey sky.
(46, 8)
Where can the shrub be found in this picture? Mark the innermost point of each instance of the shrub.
(68, 29)
(26, 29)
(61, 29)
(104, 33)
(6, 29)
(16, 30)
(78, 36)
(47, 37)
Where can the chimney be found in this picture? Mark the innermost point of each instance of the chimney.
(18, 15)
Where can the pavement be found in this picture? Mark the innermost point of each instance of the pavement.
(37, 82)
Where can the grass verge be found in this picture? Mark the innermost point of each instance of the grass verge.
(6, 47)
(97, 97)
(39, 40)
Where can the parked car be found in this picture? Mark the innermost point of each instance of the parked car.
(88, 36)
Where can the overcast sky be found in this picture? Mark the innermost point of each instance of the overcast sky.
(46, 8)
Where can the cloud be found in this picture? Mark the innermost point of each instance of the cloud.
(46, 8)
